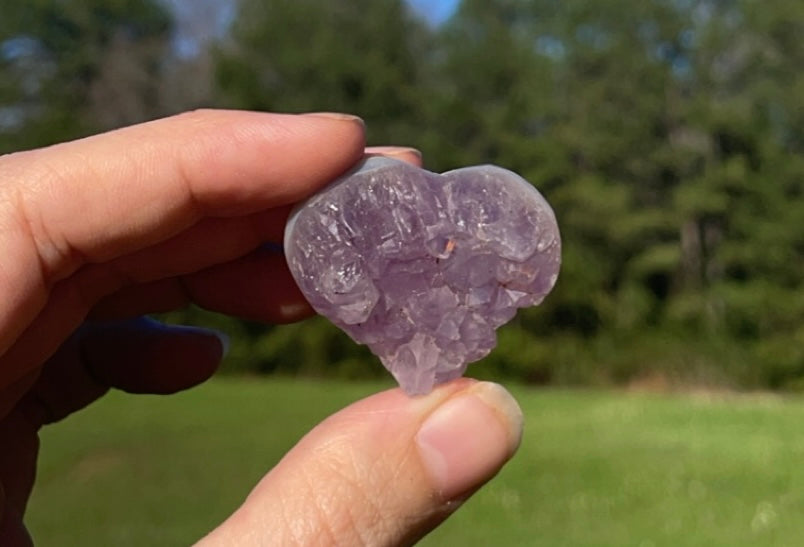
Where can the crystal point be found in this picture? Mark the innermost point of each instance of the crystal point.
(424, 267)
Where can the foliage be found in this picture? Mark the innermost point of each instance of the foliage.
(68, 68)
(667, 134)
(339, 55)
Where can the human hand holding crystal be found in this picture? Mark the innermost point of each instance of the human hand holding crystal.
(96, 233)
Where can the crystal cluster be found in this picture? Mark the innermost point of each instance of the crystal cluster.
(423, 267)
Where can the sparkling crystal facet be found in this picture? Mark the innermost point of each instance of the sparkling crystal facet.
(424, 267)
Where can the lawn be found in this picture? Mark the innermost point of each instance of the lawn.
(595, 467)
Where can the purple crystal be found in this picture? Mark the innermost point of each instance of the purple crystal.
(423, 267)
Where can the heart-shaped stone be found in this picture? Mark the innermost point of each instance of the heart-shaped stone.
(423, 267)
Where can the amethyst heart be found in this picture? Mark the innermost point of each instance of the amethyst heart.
(423, 267)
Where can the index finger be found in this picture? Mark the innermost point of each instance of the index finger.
(105, 196)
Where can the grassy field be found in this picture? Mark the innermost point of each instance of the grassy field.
(595, 468)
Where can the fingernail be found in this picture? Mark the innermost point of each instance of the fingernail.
(293, 311)
(393, 151)
(340, 116)
(225, 341)
(465, 441)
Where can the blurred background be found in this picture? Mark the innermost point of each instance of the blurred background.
(667, 134)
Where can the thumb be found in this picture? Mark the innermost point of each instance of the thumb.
(384, 471)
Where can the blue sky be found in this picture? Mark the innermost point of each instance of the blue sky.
(194, 30)
(435, 11)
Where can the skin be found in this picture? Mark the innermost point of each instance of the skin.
(97, 232)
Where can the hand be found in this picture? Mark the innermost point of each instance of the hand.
(95, 233)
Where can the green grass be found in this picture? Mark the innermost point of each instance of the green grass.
(595, 468)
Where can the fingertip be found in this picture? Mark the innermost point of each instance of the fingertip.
(290, 155)
(468, 438)
(270, 294)
(146, 356)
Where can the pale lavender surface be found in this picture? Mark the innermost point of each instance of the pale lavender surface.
(424, 267)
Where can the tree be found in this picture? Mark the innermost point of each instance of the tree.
(73, 67)
(668, 137)
(359, 56)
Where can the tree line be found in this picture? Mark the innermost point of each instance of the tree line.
(667, 134)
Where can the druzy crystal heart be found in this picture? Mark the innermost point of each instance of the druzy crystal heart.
(423, 267)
